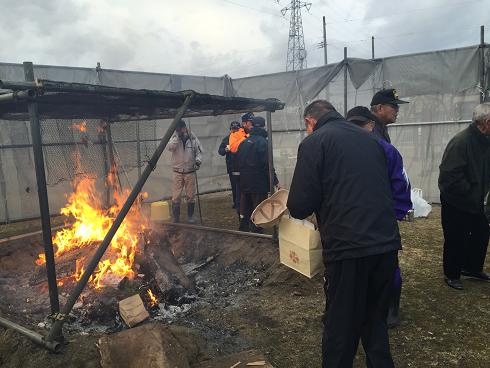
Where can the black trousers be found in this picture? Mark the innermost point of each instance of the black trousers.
(234, 179)
(248, 202)
(358, 292)
(465, 240)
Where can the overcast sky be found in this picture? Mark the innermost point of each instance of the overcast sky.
(234, 37)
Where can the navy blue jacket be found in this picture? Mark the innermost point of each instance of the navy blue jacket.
(228, 155)
(252, 161)
(341, 175)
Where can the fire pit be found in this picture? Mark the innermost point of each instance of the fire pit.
(170, 267)
(177, 269)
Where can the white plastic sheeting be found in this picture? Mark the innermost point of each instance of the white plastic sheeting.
(441, 86)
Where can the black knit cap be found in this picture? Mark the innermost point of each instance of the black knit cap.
(360, 115)
(258, 121)
(235, 125)
(180, 124)
(387, 97)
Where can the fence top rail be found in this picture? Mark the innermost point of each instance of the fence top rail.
(422, 123)
(61, 100)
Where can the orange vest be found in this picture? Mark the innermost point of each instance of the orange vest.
(236, 138)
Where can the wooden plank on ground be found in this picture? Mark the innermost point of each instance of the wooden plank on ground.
(244, 359)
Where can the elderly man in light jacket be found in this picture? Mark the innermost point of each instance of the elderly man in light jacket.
(186, 159)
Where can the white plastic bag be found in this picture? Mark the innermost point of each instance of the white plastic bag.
(420, 206)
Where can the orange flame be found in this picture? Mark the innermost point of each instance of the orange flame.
(153, 298)
(91, 225)
(41, 260)
(82, 126)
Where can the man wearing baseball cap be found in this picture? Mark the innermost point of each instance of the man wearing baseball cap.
(186, 160)
(400, 191)
(253, 164)
(384, 106)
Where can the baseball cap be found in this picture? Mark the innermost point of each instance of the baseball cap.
(387, 96)
(248, 116)
(235, 125)
(360, 115)
(258, 121)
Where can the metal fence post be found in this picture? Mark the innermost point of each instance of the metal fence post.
(345, 81)
(483, 94)
(42, 194)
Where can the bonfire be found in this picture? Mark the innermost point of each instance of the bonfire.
(88, 221)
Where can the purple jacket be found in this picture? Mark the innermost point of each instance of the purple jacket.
(400, 184)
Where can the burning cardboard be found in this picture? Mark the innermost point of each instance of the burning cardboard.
(132, 310)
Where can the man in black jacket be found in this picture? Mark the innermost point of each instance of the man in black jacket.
(224, 150)
(341, 176)
(253, 164)
(464, 180)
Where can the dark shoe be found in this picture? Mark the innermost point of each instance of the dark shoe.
(392, 321)
(244, 224)
(190, 213)
(175, 212)
(454, 283)
(476, 275)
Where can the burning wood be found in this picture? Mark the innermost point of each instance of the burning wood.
(153, 298)
(91, 224)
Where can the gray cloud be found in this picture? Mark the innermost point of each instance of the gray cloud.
(75, 33)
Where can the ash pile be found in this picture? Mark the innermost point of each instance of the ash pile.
(174, 269)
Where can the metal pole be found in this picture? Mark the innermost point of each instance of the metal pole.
(103, 143)
(374, 69)
(270, 154)
(42, 195)
(138, 148)
(483, 93)
(53, 346)
(345, 81)
(372, 47)
(56, 329)
(18, 86)
(17, 95)
(198, 196)
(112, 160)
(325, 41)
(218, 230)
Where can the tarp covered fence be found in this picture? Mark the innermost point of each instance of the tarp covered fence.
(442, 86)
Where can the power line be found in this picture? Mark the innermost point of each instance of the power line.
(403, 13)
(254, 9)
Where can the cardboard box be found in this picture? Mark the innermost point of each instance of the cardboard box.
(132, 310)
(160, 211)
(300, 247)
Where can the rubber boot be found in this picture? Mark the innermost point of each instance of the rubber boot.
(190, 213)
(244, 224)
(393, 319)
(175, 212)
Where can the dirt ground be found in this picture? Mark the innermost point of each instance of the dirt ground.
(281, 315)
